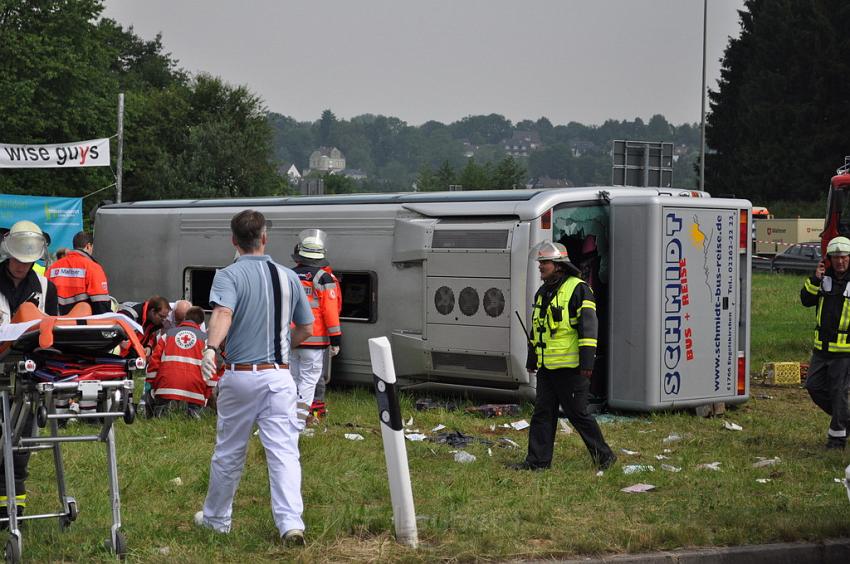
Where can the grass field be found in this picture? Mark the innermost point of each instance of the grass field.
(478, 511)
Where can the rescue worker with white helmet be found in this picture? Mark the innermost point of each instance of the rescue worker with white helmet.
(309, 361)
(562, 349)
(828, 380)
(22, 245)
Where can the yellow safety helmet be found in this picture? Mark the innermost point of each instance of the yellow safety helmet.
(547, 250)
(25, 242)
(838, 247)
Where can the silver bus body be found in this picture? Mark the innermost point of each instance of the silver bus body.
(447, 277)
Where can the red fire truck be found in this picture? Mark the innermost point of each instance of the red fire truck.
(838, 206)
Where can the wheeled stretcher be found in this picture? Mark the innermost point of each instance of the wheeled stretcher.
(54, 361)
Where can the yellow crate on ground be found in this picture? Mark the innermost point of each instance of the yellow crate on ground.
(781, 373)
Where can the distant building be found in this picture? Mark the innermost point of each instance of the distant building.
(522, 143)
(580, 147)
(327, 159)
(353, 173)
(293, 174)
(468, 149)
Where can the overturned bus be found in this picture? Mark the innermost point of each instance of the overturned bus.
(447, 277)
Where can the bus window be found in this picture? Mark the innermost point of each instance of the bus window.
(583, 230)
(359, 296)
(197, 283)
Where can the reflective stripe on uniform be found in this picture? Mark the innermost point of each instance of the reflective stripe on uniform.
(316, 340)
(833, 433)
(184, 359)
(588, 304)
(811, 288)
(587, 342)
(177, 392)
(74, 299)
(20, 499)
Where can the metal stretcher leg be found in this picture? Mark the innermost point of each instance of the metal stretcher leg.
(14, 545)
(116, 543)
(69, 504)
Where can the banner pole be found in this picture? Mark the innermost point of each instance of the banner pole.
(120, 164)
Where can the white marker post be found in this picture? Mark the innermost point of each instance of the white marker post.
(395, 451)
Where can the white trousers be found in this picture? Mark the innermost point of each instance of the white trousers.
(306, 366)
(267, 398)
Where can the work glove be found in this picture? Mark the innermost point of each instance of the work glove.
(334, 351)
(208, 364)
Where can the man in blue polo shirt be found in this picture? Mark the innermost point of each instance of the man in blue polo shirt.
(254, 302)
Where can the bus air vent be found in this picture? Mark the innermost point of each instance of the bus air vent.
(470, 239)
(444, 300)
(494, 302)
(444, 361)
(468, 301)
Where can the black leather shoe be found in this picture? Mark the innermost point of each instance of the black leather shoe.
(524, 465)
(607, 463)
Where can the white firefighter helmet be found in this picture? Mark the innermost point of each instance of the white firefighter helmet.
(311, 247)
(547, 250)
(25, 242)
(838, 247)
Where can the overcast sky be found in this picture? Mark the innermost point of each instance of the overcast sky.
(568, 60)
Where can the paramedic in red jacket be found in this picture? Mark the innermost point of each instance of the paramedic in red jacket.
(174, 370)
(306, 362)
(151, 315)
(78, 278)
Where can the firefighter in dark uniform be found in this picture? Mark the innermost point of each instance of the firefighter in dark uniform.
(562, 351)
(22, 245)
(828, 381)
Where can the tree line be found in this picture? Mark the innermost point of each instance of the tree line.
(61, 69)
(470, 152)
(779, 116)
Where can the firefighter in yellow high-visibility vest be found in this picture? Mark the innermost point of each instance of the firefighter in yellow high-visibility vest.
(828, 380)
(562, 350)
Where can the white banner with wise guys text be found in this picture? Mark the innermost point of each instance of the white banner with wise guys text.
(94, 152)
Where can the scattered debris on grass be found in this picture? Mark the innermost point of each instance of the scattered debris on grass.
(629, 452)
(415, 437)
(635, 468)
(762, 462)
(671, 438)
(494, 409)
(424, 404)
(732, 426)
(709, 466)
(763, 480)
(670, 468)
(439, 427)
(464, 457)
(638, 488)
(520, 425)
(661, 457)
(508, 442)
(176, 481)
(610, 418)
(457, 439)
(354, 437)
